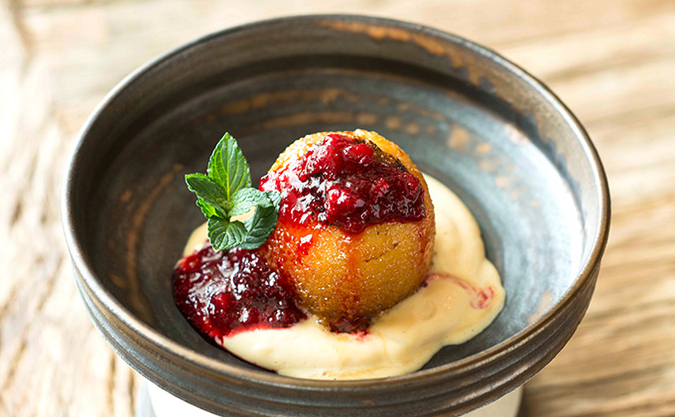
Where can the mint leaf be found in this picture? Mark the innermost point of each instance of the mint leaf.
(208, 210)
(275, 198)
(226, 192)
(225, 235)
(260, 226)
(247, 198)
(208, 193)
(228, 167)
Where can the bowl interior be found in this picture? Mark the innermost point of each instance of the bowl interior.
(524, 182)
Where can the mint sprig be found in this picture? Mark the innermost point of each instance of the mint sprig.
(225, 192)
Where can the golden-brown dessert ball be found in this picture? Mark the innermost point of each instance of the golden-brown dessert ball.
(347, 278)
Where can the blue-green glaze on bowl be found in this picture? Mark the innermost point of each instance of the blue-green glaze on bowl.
(491, 132)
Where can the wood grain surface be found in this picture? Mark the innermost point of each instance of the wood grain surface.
(612, 62)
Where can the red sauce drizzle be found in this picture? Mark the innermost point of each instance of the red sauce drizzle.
(480, 297)
(347, 182)
(224, 293)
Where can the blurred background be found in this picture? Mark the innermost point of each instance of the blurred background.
(611, 62)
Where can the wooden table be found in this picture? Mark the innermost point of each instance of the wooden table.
(612, 62)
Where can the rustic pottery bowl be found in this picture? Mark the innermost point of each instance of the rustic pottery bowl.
(491, 132)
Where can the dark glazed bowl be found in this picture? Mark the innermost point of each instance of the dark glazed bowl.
(491, 132)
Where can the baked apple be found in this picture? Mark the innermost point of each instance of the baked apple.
(356, 225)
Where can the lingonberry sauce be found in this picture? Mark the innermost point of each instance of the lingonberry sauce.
(223, 293)
(347, 182)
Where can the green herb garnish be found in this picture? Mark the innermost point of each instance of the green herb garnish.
(226, 192)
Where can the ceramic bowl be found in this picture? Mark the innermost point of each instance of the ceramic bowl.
(491, 132)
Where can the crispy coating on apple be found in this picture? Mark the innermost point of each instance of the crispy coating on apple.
(356, 244)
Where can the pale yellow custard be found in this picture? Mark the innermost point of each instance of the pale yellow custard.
(462, 296)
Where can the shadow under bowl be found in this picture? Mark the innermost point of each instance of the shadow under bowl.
(492, 133)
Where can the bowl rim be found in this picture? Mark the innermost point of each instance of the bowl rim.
(86, 272)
